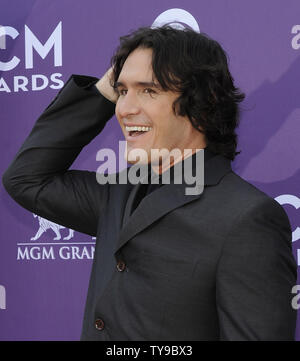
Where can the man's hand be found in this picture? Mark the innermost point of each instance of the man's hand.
(104, 87)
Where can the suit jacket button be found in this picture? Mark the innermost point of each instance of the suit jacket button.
(99, 324)
(121, 266)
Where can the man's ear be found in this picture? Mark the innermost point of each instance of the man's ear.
(196, 126)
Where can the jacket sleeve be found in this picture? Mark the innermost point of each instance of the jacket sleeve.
(38, 177)
(255, 276)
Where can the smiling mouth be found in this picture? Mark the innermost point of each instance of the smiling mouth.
(136, 131)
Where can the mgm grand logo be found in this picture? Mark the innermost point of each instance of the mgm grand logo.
(61, 245)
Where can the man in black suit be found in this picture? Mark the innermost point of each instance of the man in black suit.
(167, 266)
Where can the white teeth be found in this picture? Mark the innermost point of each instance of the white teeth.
(140, 129)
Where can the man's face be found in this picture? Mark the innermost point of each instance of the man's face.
(142, 103)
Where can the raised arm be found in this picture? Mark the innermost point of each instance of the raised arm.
(38, 177)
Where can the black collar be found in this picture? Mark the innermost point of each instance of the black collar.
(171, 196)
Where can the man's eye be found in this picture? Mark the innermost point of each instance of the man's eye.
(122, 92)
(149, 91)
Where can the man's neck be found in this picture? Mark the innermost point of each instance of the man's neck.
(167, 164)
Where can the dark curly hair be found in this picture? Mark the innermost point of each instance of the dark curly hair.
(194, 65)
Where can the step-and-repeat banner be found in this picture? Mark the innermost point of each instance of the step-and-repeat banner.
(44, 267)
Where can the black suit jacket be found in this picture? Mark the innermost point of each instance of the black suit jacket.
(214, 266)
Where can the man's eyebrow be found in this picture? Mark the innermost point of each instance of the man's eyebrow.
(137, 83)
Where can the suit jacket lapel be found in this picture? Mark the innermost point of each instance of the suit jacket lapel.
(165, 199)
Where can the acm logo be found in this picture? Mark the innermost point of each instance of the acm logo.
(32, 44)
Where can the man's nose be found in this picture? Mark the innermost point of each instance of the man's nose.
(128, 105)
